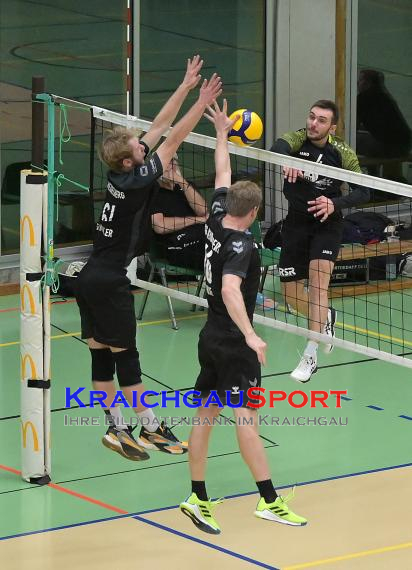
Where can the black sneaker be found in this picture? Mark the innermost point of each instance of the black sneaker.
(162, 439)
(122, 441)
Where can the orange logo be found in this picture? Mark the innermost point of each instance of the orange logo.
(27, 219)
(24, 427)
(31, 299)
(29, 359)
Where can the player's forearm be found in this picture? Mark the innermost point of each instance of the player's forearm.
(222, 157)
(183, 127)
(169, 225)
(170, 109)
(235, 305)
(357, 195)
(179, 132)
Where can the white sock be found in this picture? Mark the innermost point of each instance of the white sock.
(148, 420)
(311, 349)
(116, 413)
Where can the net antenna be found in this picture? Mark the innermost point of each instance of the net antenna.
(38, 277)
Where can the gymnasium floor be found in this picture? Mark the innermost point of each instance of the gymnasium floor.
(102, 511)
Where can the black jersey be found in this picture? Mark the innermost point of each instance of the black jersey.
(172, 203)
(228, 252)
(124, 228)
(335, 153)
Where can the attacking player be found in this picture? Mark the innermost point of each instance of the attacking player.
(312, 230)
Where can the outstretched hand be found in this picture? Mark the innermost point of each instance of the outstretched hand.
(291, 174)
(192, 76)
(210, 90)
(219, 117)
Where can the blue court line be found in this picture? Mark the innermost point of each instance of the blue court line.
(378, 408)
(146, 521)
(204, 543)
(235, 496)
(63, 527)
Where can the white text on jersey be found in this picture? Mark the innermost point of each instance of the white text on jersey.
(114, 192)
(215, 244)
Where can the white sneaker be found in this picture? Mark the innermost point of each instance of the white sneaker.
(304, 370)
(329, 329)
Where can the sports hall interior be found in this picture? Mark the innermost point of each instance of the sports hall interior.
(354, 481)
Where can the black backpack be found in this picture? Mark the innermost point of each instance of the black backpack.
(273, 237)
(364, 227)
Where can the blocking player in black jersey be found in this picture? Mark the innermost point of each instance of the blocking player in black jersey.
(104, 298)
(230, 351)
(312, 231)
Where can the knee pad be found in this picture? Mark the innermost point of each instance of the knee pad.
(102, 364)
(128, 367)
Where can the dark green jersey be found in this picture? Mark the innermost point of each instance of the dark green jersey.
(335, 153)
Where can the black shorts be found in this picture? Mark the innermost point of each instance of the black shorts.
(304, 239)
(227, 364)
(106, 305)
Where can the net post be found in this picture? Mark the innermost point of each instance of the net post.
(37, 124)
(35, 314)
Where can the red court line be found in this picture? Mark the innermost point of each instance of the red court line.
(89, 499)
(145, 521)
(5, 468)
(73, 493)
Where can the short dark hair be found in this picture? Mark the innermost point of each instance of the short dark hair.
(331, 106)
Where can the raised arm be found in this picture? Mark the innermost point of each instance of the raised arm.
(207, 94)
(168, 112)
(222, 125)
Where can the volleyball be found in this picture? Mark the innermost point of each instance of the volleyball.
(248, 128)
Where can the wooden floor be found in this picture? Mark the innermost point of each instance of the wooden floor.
(102, 511)
(351, 525)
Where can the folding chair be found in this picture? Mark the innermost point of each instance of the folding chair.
(159, 265)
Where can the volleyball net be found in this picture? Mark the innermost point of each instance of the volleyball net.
(371, 283)
(370, 286)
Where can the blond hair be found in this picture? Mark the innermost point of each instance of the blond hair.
(242, 197)
(115, 147)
